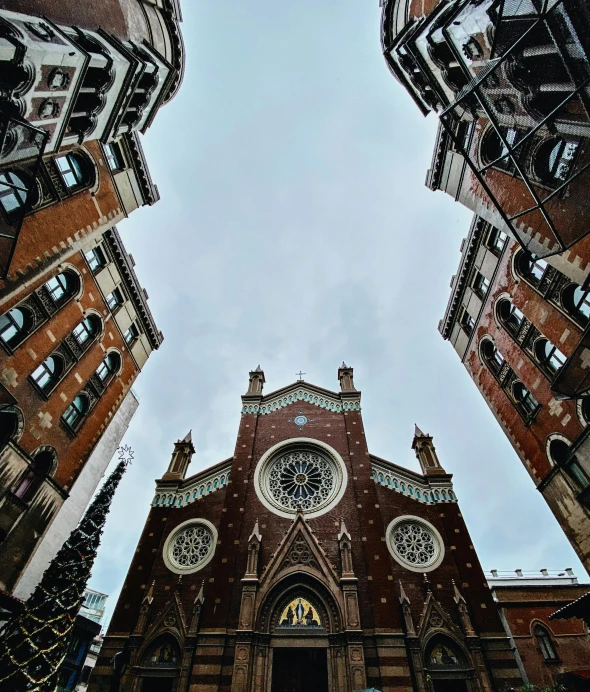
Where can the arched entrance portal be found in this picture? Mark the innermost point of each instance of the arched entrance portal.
(302, 664)
(447, 666)
(160, 666)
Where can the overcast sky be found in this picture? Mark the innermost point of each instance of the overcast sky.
(295, 231)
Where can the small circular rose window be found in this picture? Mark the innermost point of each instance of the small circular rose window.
(415, 544)
(190, 547)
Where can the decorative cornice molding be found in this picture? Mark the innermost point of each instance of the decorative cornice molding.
(304, 393)
(469, 253)
(148, 189)
(412, 485)
(137, 294)
(172, 494)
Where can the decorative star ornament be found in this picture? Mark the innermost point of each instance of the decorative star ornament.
(125, 454)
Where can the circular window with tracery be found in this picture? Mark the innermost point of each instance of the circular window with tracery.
(190, 547)
(306, 477)
(415, 544)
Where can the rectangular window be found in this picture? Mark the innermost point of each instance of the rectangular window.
(114, 156)
(131, 334)
(496, 240)
(115, 299)
(481, 285)
(96, 259)
(467, 322)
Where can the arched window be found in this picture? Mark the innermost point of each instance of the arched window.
(62, 287)
(10, 422)
(76, 171)
(576, 302)
(13, 191)
(109, 366)
(545, 643)
(493, 150)
(531, 267)
(48, 374)
(585, 409)
(15, 326)
(560, 454)
(74, 415)
(525, 401)
(509, 315)
(549, 357)
(491, 356)
(33, 476)
(88, 328)
(554, 159)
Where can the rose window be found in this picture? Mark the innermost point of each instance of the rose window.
(191, 546)
(302, 478)
(415, 544)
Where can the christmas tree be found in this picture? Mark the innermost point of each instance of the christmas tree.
(34, 643)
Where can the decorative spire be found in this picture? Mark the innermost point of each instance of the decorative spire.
(406, 611)
(255, 533)
(181, 458)
(149, 597)
(343, 530)
(345, 377)
(423, 446)
(463, 612)
(256, 382)
(35, 642)
(403, 599)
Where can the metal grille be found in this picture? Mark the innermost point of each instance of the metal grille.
(20, 143)
(538, 128)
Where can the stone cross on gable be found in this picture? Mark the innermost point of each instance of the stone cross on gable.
(300, 375)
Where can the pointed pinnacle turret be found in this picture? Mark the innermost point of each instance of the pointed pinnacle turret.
(457, 594)
(345, 377)
(181, 458)
(423, 446)
(256, 382)
(149, 597)
(256, 533)
(343, 530)
(403, 599)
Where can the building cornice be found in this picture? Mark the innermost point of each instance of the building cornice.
(302, 392)
(173, 493)
(460, 281)
(148, 189)
(431, 490)
(136, 292)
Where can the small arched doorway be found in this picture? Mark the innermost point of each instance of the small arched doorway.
(447, 666)
(160, 666)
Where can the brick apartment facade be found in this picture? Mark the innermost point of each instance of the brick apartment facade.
(78, 83)
(510, 322)
(509, 82)
(302, 513)
(550, 651)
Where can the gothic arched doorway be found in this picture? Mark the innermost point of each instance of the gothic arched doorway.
(160, 666)
(299, 615)
(447, 666)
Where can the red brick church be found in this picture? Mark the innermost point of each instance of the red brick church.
(305, 563)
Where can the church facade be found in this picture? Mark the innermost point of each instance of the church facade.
(304, 562)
